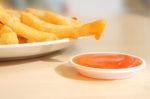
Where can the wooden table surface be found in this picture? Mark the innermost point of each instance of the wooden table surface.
(50, 77)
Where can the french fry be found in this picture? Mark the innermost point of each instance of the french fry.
(63, 31)
(1, 24)
(22, 40)
(24, 30)
(93, 28)
(32, 25)
(54, 18)
(13, 12)
(7, 36)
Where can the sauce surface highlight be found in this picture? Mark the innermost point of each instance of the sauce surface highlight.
(107, 61)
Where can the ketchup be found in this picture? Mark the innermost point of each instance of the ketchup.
(107, 60)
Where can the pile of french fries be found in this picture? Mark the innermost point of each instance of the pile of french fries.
(34, 25)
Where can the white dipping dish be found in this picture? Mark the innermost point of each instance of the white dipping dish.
(110, 74)
(28, 50)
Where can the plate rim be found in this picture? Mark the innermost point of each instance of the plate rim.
(37, 43)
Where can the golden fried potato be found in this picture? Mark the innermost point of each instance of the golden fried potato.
(1, 24)
(93, 28)
(7, 36)
(63, 31)
(24, 30)
(54, 18)
(34, 25)
(22, 40)
(13, 12)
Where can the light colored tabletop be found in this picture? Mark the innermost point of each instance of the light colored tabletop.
(50, 77)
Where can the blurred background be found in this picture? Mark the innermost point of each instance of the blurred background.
(86, 8)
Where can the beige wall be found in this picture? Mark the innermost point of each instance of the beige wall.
(95, 8)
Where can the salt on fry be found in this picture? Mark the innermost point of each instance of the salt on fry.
(54, 18)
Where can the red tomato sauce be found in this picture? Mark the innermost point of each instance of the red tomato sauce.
(107, 61)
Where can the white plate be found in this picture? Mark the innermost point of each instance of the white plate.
(20, 51)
